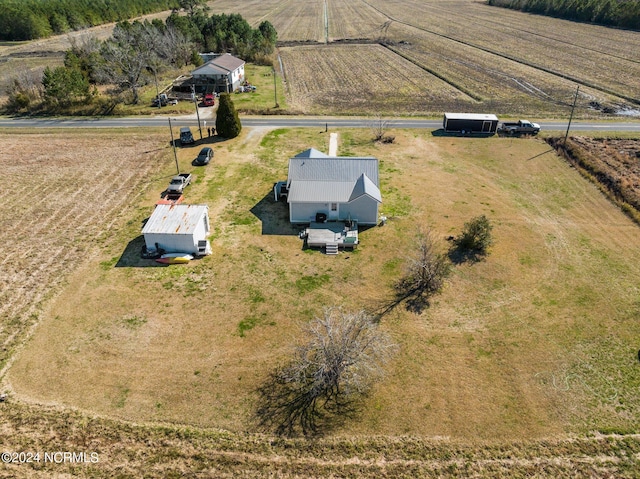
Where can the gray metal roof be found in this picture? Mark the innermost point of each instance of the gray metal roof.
(311, 153)
(221, 65)
(315, 177)
(175, 219)
(328, 168)
(364, 186)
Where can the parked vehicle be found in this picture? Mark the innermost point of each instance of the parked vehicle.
(164, 100)
(204, 157)
(521, 127)
(170, 199)
(179, 183)
(469, 123)
(209, 100)
(185, 136)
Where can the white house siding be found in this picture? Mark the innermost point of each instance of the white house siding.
(363, 209)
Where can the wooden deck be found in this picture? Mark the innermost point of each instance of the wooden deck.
(333, 233)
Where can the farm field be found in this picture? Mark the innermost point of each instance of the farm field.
(382, 81)
(68, 189)
(500, 59)
(537, 341)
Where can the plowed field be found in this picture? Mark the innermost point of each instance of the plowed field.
(65, 191)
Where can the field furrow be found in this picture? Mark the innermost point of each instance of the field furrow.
(613, 66)
(354, 20)
(363, 77)
(64, 201)
(298, 21)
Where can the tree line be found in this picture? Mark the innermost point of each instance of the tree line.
(613, 13)
(31, 19)
(133, 57)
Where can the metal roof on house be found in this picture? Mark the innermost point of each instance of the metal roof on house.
(221, 65)
(175, 219)
(227, 61)
(364, 186)
(332, 169)
(315, 177)
(311, 153)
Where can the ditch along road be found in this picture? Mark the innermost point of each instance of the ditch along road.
(292, 122)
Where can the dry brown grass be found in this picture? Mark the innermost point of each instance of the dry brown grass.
(513, 348)
(65, 193)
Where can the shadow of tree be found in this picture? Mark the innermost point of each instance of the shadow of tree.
(415, 300)
(459, 256)
(291, 410)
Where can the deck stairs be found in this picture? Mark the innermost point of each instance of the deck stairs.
(331, 248)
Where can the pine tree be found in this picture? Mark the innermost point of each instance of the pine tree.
(227, 121)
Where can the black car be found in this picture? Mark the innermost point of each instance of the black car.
(204, 157)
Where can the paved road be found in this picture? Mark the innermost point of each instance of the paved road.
(288, 122)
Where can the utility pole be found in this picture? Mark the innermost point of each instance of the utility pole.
(275, 88)
(195, 102)
(173, 143)
(155, 76)
(575, 98)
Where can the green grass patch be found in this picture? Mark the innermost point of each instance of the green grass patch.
(306, 284)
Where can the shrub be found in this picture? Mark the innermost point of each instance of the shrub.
(475, 237)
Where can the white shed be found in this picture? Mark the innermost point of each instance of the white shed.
(178, 229)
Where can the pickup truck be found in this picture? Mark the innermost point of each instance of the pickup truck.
(178, 183)
(519, 127)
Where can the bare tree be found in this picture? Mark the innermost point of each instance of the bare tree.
(345, 354)
(379, 127)
(25, 88)
(425, 273)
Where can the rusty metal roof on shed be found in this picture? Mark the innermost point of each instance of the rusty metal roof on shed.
(175, 219)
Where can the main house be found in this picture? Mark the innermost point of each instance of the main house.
(322, 187)
(220, 73)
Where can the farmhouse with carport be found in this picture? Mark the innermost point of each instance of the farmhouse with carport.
(220, 73)
(178, 229)
(333, 195)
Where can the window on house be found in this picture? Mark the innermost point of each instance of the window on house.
(334, 206)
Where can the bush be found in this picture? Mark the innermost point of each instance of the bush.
(476, 236)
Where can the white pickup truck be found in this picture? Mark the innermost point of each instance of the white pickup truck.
(179, 182)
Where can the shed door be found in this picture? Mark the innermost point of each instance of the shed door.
(486, 126)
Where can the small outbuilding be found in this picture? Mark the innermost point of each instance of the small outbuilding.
(333, 188)
(178, 228)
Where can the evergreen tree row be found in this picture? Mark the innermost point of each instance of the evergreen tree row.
(613, 13)
(227, 33)
(31, 19)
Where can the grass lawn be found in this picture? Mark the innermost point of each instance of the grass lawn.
(538, 339)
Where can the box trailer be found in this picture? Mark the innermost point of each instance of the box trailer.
(467, 123)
